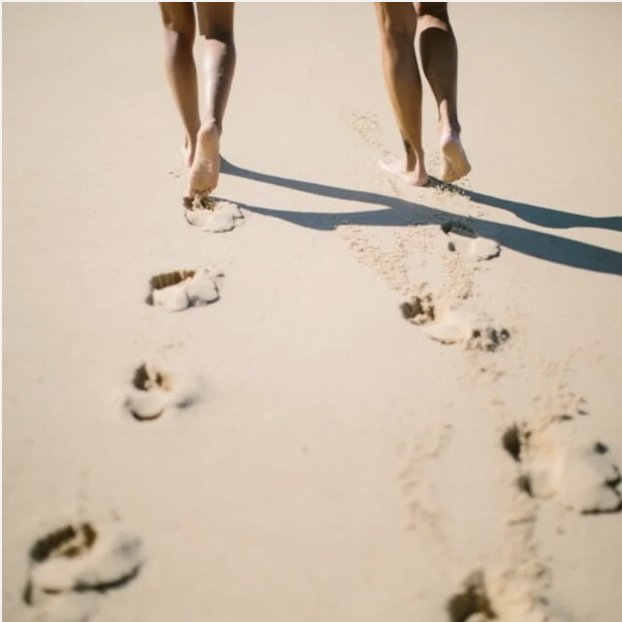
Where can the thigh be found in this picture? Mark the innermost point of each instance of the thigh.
(216, 20)
(178, 16)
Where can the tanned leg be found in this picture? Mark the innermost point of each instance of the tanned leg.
(216, 30)
(439, 59)
(397, 26)
(179, 31)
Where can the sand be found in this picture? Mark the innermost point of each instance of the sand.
(337, 463)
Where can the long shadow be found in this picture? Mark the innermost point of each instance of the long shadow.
(545, 216)
(397, 212)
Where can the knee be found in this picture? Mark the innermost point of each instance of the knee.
(180, 39)
(179, 27)
(218, 33)
(397, 24)
(397, 37)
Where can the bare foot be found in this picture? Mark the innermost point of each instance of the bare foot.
(187, 151)
(206, 165)
(455, 163)
(416, 176)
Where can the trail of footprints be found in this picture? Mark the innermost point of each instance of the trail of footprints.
(71, 566)
(558, 459)
(555, 461)
(455, 323)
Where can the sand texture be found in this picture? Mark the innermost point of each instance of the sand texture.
(371, 402)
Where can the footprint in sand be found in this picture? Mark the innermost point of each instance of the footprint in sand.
(160, 387)
(560, 460)
(453, 326)
(70, 565)
(465, 240)
(498, 595)
(176, 291)
(212, 215)
(471, 604)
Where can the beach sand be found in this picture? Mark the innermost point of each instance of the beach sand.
(317, 457)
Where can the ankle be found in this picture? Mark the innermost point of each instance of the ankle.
(449, 129)
(209, 128)
(448, 123)
(414, 159)
(190, 140)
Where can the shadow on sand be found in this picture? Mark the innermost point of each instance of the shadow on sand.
(396, 212)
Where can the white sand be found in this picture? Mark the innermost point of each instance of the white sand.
(342, 465)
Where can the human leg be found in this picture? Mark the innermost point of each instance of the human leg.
(397, 25)
(439, 59)
(216, 29)
(179, 32)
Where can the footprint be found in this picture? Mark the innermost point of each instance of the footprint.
(158, 387)
(175, 291)
(212, 215)
(499, 595)
(452, 326)
(80, 558)
(471, 604)
(559, 460)
(465, 240)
